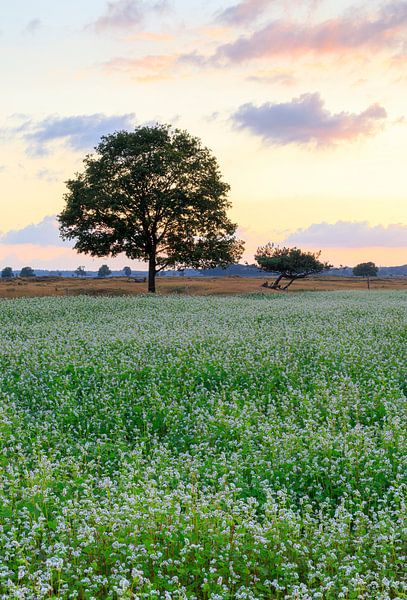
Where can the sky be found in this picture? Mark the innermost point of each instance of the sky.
(303, 102)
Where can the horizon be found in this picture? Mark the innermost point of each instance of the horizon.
(303, 108)
(143, 269)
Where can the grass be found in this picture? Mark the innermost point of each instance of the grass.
(192, 286)
(210, 448)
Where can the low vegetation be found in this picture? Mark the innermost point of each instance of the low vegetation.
(186, 286)
(244, 447)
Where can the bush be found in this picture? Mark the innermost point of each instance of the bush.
(27, 272)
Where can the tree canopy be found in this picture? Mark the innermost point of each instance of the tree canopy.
(288, 263)
(80, 271)
(7, 273)
(155, 194)
(104, 271)
(27, 272)
(367, 269)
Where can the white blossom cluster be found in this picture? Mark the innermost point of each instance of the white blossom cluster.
(204, 448)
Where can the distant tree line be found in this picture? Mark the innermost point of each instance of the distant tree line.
(104, 271)
(7, 272)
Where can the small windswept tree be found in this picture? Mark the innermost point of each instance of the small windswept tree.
(7, 273)
(127, 271)
(289, 264)
(27, 272)
(104, 271)
(367, 269)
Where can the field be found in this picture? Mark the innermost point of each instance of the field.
(193, 286)
(241, 447)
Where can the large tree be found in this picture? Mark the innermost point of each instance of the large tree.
(289, 264)
(155, 194)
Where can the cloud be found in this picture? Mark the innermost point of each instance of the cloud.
(127, 14)
(338, 35)
(276, 76)
(354, 234)
(153, 67)
(44, 233)
(33, 26)
(40, 246)
(244, 12)
(48, 176)
(304, 120)
(80, 132)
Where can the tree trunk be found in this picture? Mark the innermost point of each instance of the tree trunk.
(275, 283)
(151, 274)
(289, 283)
(368, 282)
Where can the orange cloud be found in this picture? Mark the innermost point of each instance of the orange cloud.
(214, 33)
(283, 77)
(154, 67)
(151, 36)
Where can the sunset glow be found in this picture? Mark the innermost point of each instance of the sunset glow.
(303, 103)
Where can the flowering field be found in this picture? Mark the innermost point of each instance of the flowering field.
(208, 448)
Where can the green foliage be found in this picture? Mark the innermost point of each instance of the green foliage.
(27, 272)
(367, 269)
(80, 272)
(104, 271)
(209, 448)
(127, 271)
(290, 263)
(155, 194)
(7, 273)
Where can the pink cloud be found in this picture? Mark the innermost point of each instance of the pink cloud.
(126, 14)
(244, 12)
(358, 234)
(305, 120)
(39, 246)
(339, 35)
(53, 257)
(19, 255)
